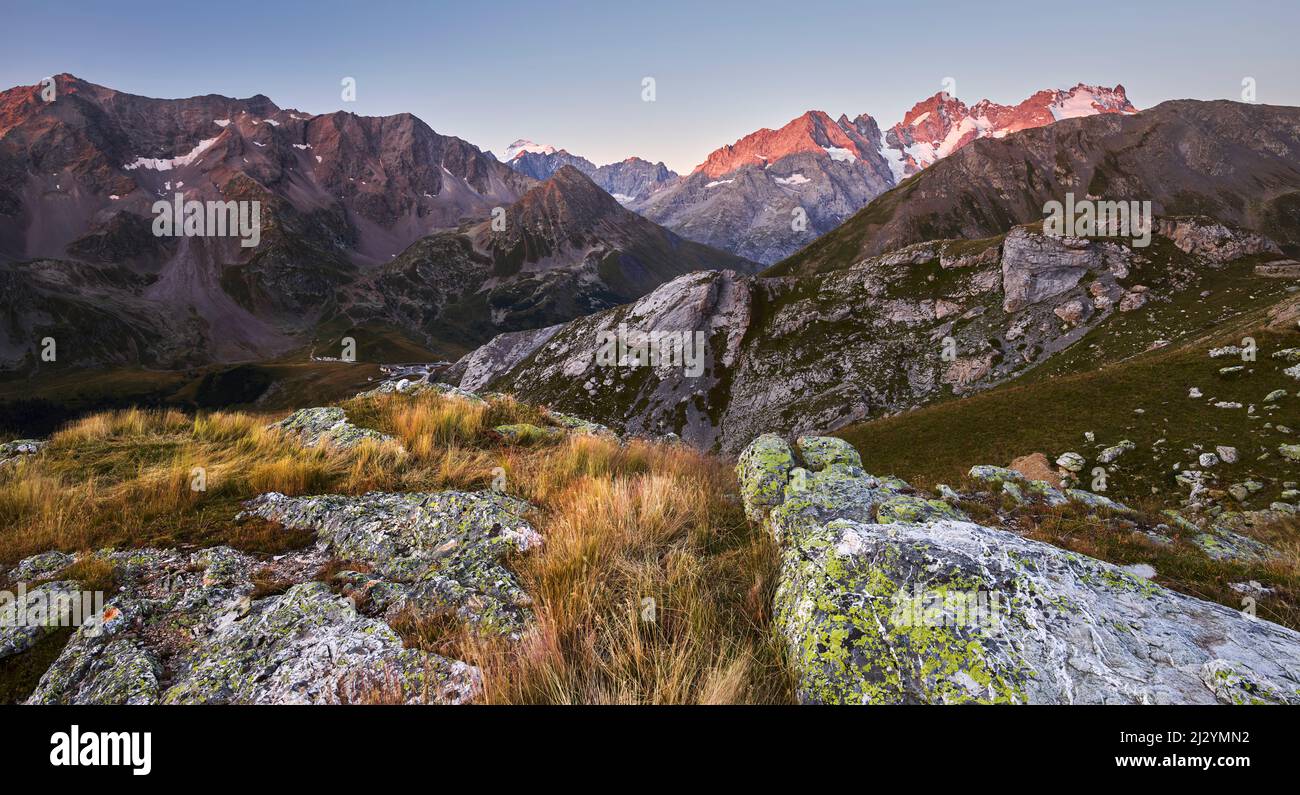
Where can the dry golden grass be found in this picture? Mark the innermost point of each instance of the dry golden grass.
(623, 523)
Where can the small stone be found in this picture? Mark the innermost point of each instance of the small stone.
(1110, 454)
(1227, 455)
(1194, 393)
(1208, 460)
(1251, 588)
(1072, 462)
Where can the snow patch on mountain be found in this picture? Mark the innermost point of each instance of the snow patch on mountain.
(167, 164)
(523, 145)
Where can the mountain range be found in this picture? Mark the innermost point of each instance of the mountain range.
(774, 191)
(853, 327)
(353, 211)
(627, 181)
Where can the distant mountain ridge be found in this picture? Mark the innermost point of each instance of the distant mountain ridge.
(627, 181)
(745, 197)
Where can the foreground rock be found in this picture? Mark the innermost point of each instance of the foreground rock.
(309, 646)
(943, 610)
(437, 553)
(327, 425)
(19, 448)
(185, 628)
(188, 628)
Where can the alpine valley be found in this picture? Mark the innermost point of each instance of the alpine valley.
(374, 448)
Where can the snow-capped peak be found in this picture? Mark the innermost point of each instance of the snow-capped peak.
(523, 145)
(1085, 100)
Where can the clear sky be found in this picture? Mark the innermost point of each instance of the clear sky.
(570, 73)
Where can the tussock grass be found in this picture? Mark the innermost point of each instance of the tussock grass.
(623, 523)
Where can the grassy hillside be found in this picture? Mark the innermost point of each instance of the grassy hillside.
(1097, 386)
(622, 523)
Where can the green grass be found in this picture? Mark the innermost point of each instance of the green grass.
(1050, 415)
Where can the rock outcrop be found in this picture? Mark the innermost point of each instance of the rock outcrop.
(190, 627)
(939, 609)
(434, 553)
(327, 425)
(813, 353)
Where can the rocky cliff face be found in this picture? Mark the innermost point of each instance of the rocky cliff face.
(814, 353)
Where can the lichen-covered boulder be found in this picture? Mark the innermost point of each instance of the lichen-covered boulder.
(438, 553)
(1112, 453)
(30, 614)
(1290, 452)
(166, 599)
(527, 433)
(310, 646)
(1223, 540)
(819, 452)
(103, 663)
(762, 470)
(579, 425)
(949, 611)
(994, 475)
(327, 425)
(1015, 485)
(37, 567)
(1071, 462)
(1095, 501)
(1224, 544)
(12, 451)
(197, 612)
(912, 509)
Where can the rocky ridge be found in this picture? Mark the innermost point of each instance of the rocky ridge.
(810, 354)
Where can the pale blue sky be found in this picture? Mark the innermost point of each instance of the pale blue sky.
(569, 73)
